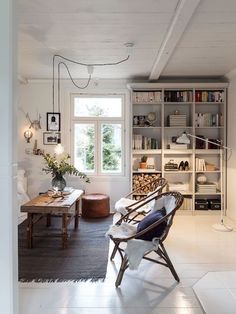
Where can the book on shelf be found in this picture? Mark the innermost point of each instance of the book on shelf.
(208, 119)
(187, 204)
(200, 164)
(178, 96)
(147, 97)
(144, 142)
(209, 96)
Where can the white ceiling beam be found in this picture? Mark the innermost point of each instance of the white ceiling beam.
(231, 74)
(180, 20)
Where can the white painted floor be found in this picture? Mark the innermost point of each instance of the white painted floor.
(195, 249)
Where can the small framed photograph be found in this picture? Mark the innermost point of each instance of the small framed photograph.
(50, 138)
(142, 120)
(53, 121)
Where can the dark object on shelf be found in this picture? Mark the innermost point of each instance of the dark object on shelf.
(214, 204)
(211, 145)
(171, 166)
(181, 166)
(173, 139)
(200, 144)
(201, 204)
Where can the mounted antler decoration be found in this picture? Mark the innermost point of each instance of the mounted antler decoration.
(35, 124)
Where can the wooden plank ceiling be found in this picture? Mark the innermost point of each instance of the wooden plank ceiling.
(171, 37)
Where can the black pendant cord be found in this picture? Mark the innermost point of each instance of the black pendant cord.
(79, 63)
(91, 64)
(72, 80)
(58, 87)
(53, 118)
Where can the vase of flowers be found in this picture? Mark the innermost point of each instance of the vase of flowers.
(58, 167)
(58, 182)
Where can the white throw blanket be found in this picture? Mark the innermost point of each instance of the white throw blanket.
(123, 231)
(136, 248)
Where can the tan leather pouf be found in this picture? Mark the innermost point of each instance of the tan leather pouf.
(95, 205)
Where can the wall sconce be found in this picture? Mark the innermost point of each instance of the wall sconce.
(28, 134)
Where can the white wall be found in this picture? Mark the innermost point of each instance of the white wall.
(231, 171)
(36, 97)
(8, 221)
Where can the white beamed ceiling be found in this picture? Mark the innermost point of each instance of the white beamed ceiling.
(93, 31)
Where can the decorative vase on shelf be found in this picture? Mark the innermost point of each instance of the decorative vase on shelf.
(59, 182)
(201, 178)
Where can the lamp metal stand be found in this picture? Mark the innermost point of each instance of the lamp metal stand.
(221, 226)
(218, 226)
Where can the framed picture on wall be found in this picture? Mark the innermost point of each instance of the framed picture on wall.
(50, 138)
(53, 124)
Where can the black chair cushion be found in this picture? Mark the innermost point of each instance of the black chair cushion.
(148, 221)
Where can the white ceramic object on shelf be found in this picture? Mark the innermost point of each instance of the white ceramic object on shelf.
(201, 178)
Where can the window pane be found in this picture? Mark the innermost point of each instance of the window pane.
(111, 148)
(97, 107)
(84, 143)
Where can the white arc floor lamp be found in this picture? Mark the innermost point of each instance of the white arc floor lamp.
(184, 139)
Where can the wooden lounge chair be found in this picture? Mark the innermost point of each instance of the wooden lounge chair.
(168, 203)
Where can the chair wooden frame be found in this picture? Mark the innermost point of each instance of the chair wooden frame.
(155, 187)
(160, 251)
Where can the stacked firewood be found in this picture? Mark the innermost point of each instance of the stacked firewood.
(139, 180)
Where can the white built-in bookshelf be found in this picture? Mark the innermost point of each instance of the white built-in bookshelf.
(161, 112)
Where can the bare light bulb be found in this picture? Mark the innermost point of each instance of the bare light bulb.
(90, 69)
(59, 149)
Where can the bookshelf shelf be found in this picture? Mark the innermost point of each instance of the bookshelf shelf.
(178, 152)
(147, 151)
(146, 127)
(217, 193)
(178, 171)
(197, 108)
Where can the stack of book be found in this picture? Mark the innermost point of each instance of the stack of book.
(178, 96)
(209, 96)
(147, 97)
(177, 120)
(208, 119)
(177, 146)
(206, 188)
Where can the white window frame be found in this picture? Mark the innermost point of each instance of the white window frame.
(98, 121)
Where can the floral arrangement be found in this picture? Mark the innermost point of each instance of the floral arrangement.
(60, 166)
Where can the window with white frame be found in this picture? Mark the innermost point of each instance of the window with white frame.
(98, 134)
